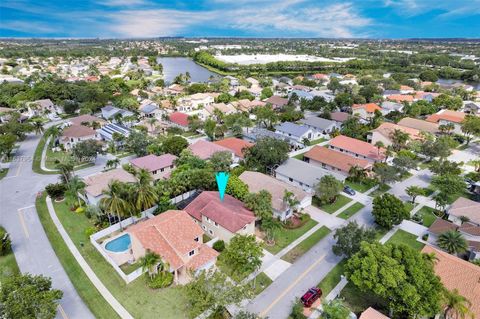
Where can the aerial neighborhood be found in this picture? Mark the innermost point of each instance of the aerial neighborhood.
(353, 180)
